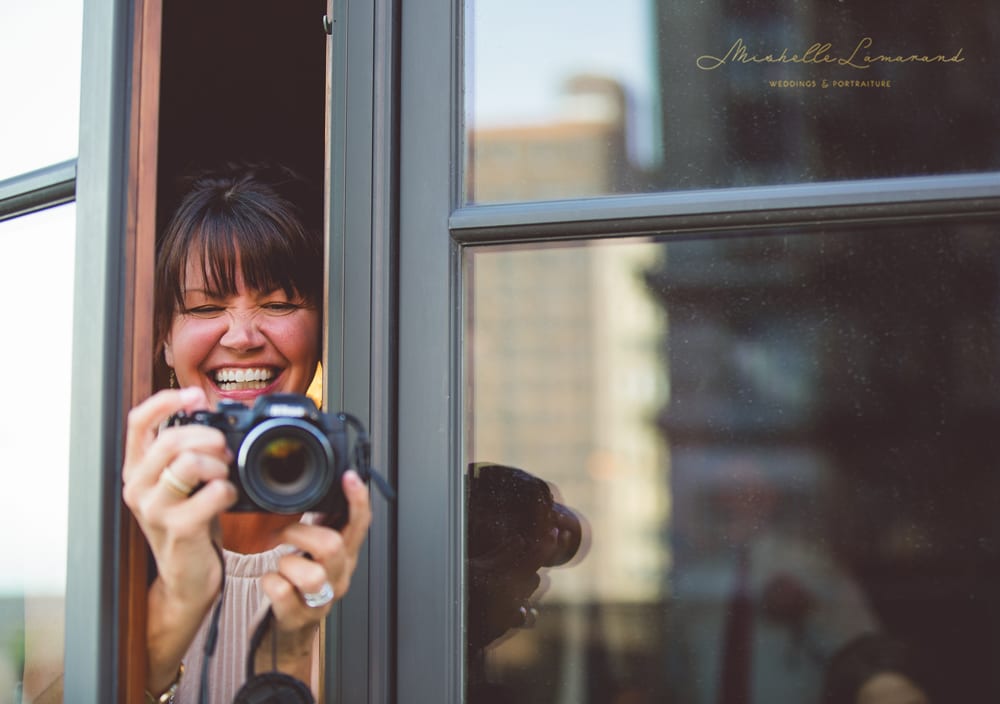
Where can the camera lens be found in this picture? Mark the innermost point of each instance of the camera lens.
(285, 465)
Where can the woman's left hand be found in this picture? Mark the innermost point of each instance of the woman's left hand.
(332, 559)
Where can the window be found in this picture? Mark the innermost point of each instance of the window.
(690, 297)
(40, 56)
(34, 432)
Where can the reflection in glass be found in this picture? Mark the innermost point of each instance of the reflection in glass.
(778, 442)
(40, 45)
(585, 100)
(36, 284)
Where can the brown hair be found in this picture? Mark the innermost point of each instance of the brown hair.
(266, 219)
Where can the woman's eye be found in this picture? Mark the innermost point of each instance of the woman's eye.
(280, 308)
(205, 311)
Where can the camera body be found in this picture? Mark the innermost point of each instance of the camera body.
(289, 456)
(507, 504)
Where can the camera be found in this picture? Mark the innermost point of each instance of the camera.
(507, 504)
(289, 456)
(515, 528)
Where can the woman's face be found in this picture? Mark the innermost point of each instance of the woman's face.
(243, 346)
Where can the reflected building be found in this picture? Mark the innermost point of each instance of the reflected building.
(857, 380)
(566, 380)
(845, 381)
(584, 153)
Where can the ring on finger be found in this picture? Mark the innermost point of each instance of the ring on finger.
(324, 596)
(175, 483)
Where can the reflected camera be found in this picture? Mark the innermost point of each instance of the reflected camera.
(289, 456)
(507, 502)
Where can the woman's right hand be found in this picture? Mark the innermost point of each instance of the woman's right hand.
(181, 530)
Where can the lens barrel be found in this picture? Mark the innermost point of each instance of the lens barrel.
(286, 465)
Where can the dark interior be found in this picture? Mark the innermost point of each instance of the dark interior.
(241, 81)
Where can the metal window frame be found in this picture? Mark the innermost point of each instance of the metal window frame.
(92, 621)
(360, 317)
(43, 188)
(435, 228)
(95, 180)
(360, 336)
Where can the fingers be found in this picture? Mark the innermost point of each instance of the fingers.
(298, 575)
(144, 419)
(332, 558)
(359, 512)
(195, 455)
(193, 452)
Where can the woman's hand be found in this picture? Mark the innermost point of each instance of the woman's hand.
(332, 557)
(179, 528)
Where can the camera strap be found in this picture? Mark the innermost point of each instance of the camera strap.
(258, 689)
(363, 457)
(271, 686)
(212, 637)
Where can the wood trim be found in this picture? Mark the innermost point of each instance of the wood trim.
(138, 373)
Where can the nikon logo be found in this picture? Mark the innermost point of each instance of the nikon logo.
(281, 409)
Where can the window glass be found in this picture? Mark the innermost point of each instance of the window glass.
(36, 284)
(773, 444)
(588, 99)
(40, 79)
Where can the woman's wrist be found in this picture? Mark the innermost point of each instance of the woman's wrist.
(172, 623)
(166, 694)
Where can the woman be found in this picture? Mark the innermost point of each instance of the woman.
(239, 285)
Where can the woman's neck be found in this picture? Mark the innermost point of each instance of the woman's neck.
(250, 533)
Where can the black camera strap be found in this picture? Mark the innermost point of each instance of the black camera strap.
(270, 687)
(363, 456)
(212, 637)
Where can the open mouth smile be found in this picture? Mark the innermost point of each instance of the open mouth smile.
(243, 379)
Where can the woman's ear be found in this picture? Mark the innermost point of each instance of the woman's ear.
(168, 353)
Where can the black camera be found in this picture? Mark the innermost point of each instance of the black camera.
(289, 456)
(507, 504)
(515, 528)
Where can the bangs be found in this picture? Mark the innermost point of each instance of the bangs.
(265, 257)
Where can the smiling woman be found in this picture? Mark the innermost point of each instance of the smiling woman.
(239, 285)
(240, 282)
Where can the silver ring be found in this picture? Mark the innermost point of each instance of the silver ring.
(175, 483)
(321, 598)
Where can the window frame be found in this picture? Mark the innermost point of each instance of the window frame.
(116, 192)
(99, 356)
(95, 181)
(360, 331)
(436, 227)
(42, 188)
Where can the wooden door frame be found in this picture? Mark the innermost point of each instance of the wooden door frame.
(137, 381)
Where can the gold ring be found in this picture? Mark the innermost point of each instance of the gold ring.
(176, 483)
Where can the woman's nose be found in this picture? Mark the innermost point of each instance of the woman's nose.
(242, 334)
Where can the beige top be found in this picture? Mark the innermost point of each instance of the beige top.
(244, 605)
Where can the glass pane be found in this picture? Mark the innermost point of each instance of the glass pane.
(590, 99)
(775, 443)
(36, 284)
(40, 80)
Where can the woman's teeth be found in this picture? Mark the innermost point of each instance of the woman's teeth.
(243, 379)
